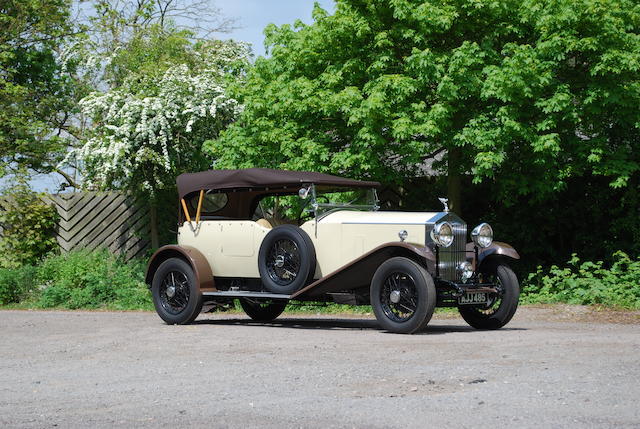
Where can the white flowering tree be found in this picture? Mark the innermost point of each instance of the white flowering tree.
(151, 127)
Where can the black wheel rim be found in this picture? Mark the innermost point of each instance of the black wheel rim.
(174, 292)
(283, 262)
(399, 297)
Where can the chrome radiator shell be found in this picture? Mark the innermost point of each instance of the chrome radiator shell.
(449, 258)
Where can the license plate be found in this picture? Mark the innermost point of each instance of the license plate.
(473, 298)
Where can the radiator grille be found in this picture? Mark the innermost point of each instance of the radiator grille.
(450, 257)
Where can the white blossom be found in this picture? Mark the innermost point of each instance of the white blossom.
(149, 130)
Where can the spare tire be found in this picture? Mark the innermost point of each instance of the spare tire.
(287, 259)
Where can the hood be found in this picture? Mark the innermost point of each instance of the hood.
(381, 218)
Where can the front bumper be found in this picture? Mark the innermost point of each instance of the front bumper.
(449, 292)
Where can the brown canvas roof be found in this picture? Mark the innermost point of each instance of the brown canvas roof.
(260, 178)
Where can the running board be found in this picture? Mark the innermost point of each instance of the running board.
(245, 294)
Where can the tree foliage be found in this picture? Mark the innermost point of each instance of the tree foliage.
(28, 226)
(169, 97)
(526, 93)
(34, 90)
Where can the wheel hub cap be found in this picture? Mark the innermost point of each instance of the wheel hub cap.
(171, 291)
(279, 262)
(394, 296)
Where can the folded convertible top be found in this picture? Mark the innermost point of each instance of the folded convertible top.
(260, 178)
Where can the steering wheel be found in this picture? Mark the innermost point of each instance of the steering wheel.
(306, 203)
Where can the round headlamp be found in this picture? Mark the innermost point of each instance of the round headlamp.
(482, 235)
(442, 234)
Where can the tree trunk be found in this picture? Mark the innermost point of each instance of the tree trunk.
(153, 211)
(454, 185)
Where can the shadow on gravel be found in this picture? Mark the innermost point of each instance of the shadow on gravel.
(344, 324)
(338, 324)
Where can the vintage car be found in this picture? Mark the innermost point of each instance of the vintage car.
(267, 237)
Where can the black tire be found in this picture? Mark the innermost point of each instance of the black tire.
(287, 259)
(502, 307)
(176, 296)
(407, 281)
(263, 311)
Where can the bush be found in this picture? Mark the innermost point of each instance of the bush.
(587, 283)
(16, 284)
(28, 227)
(92, 280)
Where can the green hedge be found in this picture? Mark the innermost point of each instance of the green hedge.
(587, 283)
(17, 284)
(28, 226)
(78, 280)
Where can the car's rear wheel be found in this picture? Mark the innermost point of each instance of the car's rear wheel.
(287, 259)
(502, 306)
(175, 293)
(403, 295)
(262, 310)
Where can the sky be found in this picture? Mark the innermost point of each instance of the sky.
(252, 17)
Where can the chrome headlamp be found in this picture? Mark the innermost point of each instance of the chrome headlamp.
(442, 234)
(482, 235)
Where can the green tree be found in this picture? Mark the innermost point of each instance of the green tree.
(35, 94)
(526, 93)
(159, 93)
(168, 97)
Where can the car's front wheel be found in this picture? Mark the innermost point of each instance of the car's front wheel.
(501, 306)
(175, 293)
(262, 311)
(403, 295)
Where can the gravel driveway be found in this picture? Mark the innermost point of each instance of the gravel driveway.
(94, 369)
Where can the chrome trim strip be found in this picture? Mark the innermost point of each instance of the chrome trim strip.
(382, 223)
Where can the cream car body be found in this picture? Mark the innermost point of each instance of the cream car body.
(231, 246)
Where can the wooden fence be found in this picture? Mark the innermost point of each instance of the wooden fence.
(92, 220)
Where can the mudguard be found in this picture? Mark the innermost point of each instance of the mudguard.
(191, 255)
(497, 248)
(359, 272)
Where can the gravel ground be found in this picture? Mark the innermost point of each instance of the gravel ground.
(95, 369)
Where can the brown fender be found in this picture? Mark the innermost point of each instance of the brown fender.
(497, 248)
(359, 272)
(198, 263)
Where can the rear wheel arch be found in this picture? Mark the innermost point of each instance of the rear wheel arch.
(193, 257)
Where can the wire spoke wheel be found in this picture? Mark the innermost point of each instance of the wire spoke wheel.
(283, 262)
(495, 299)
(399, 297)
(286, 260)
(501, 306)
(403, 295)
(174, 292)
